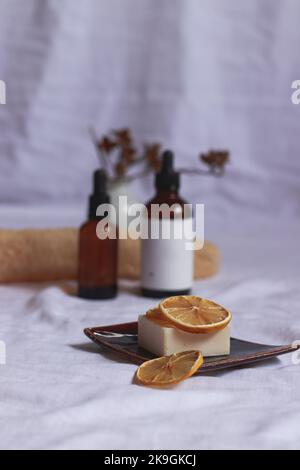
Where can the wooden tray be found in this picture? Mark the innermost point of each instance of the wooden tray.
(123, 339)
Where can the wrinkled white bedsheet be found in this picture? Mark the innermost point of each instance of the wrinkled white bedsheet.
(58, 391)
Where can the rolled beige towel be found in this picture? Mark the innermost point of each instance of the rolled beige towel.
(52, 255)
(38, 255)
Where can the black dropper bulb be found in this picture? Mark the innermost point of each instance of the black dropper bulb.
(167, 179)
(100, 195)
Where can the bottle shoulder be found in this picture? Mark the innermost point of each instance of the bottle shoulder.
(168, 199)
(171, 200)
(89, 225)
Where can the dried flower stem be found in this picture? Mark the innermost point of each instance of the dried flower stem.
(196, 171)
(117, 154)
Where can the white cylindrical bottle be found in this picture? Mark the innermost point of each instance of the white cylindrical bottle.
(167, 260)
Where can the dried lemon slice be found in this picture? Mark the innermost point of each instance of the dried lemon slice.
(170, 370)
(157, 317)
(194, 314)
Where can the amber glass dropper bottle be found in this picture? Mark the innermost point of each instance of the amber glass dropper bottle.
(98, 259)
(167, 266)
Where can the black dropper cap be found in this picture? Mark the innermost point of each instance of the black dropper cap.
(168, 179)
(100, 195)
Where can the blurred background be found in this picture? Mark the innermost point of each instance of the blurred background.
(194, 75)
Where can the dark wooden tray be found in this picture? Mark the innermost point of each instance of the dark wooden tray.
(123, 339)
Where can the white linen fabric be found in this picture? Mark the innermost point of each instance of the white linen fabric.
(58, 391)
(194, 75)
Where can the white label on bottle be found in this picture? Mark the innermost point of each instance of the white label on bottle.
(167, 264)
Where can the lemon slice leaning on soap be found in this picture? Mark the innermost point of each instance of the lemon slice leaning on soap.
(194, 314)
(157, 317)
(170, 370)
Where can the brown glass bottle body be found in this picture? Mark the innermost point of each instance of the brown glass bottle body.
(98, 263)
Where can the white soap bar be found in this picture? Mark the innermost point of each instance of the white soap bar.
(164, 341)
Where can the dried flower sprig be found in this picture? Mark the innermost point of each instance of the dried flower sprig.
(118, 156)
(216, 160)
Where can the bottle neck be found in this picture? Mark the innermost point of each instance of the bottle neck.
(94, 218)
(95, 201)
(167, 194)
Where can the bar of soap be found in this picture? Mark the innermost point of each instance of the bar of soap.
(165, 341)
